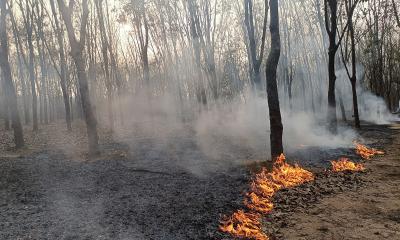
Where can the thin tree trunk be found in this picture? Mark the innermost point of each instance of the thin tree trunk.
(29, 32)
(104, 45)
(8, 84)
(353, 78)
(253, 59)
(331, 27)
(272, 88)
(4, 107)
(77, 48)
(63, 66)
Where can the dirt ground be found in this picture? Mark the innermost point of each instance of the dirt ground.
(166, 187)
(369, 212)
(145, 188)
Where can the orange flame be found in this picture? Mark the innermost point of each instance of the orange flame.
(344, 164)
(259, 199)
(244, 225)
(265, 184)
(366, 152)
(258, 203)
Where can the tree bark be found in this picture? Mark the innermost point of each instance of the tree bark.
(272, 88)
(331, 27)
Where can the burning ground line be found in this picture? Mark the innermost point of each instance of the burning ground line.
(365, 152)
(344, 164)
(259, 200)
(265, 184)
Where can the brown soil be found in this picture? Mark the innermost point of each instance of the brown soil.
(369, 212)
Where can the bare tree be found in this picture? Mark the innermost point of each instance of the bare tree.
(275, 118)
(8, 84)
(253, 58)
(27, 15)
(105, 51)
(350, 7)
(77, 47)
(63, 65)
(331, 25)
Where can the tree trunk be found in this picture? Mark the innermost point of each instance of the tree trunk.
(29, 31)
(77, 54)
(332, 29)
(104, 48)
(3, 106)
(8, 84)
(200, 89)
(249, 24)
(91, 121)
(342, 108)
(63, 63)
(272, 88)
(353, 79)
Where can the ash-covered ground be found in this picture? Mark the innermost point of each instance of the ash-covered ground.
(140, 188)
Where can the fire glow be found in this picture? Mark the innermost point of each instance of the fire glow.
(365, 152)
(259, 199)
(265, 184)
(244, 225)
(344, 164)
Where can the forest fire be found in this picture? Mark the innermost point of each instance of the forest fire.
(265, 184)
(244, 225)
(344, 164)
(259, 199)
(365, 152)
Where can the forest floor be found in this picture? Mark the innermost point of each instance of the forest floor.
(162, 185)
(148, 187)
(371, 211)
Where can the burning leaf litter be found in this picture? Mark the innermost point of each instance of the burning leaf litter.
(365, 152)
(344, 164)
(265, 184)
(245, 225)
(259, 200)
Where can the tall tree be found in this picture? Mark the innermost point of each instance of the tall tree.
(195, 37)
(77, 48)
(253, 58)
(105, 51)
(63, 66)
(350, 7)
(8, 84)
(22, 65)
(331, 25)
(27, 15)
(275, 117)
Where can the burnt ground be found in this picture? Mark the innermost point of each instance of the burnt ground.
(136, 191)
(144, 187)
